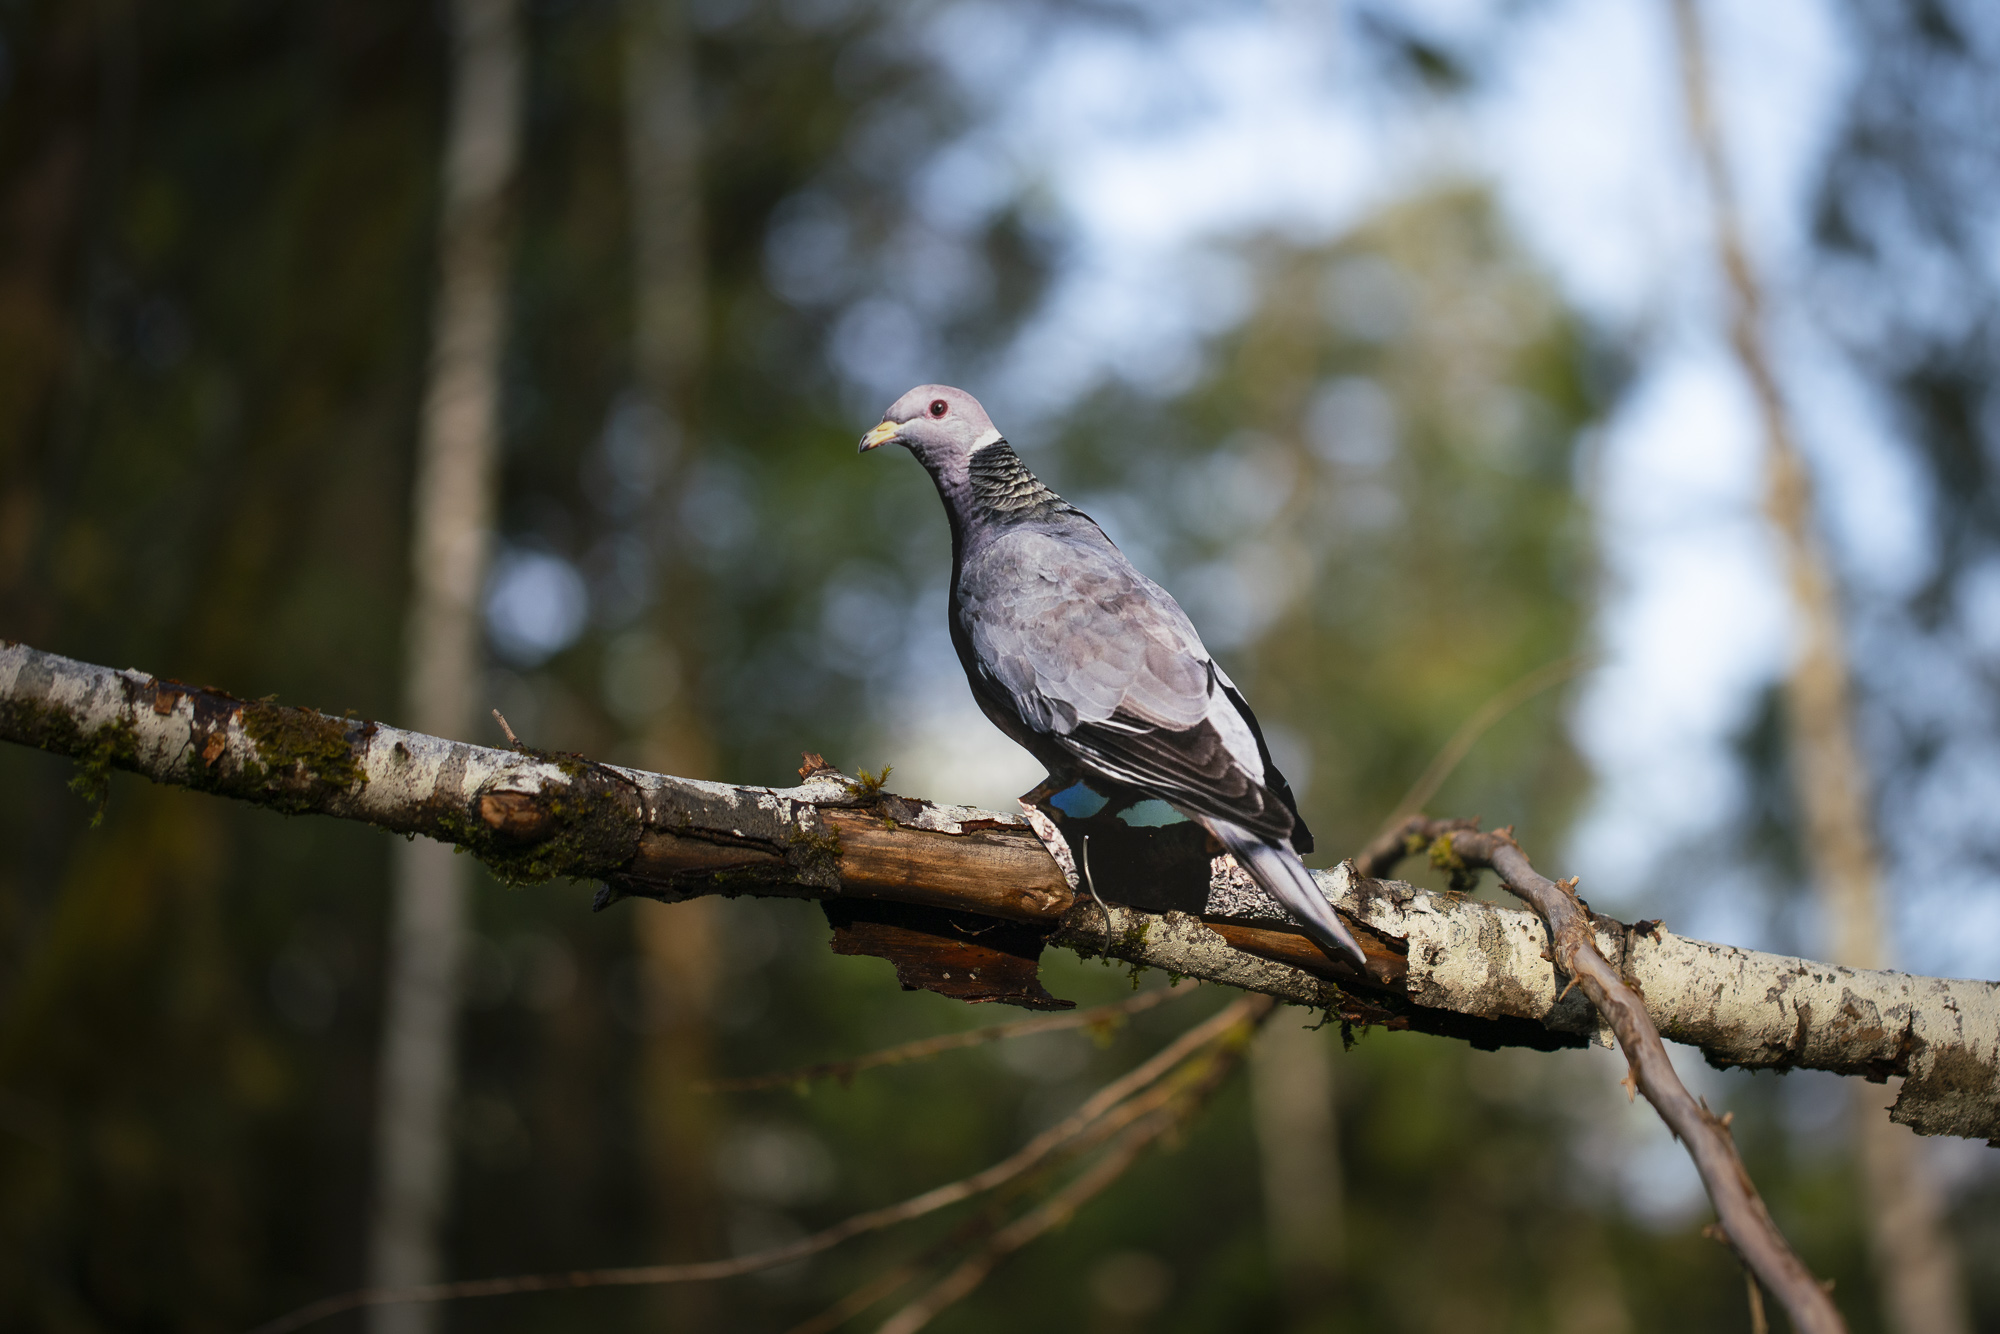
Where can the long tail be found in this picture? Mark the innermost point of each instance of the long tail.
(1285, 878)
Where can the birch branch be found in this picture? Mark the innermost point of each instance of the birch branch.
(1438, 963)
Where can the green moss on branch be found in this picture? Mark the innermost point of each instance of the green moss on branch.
(97, 751)
(585, 830)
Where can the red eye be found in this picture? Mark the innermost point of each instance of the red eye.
(939, 407)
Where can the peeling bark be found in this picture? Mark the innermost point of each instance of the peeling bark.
(1439, 963)
(958, 954)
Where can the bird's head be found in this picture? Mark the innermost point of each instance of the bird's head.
(942, 426)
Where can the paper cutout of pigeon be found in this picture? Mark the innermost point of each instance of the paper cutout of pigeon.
(1090, 665)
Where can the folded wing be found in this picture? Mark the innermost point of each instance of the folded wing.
(1102, 660)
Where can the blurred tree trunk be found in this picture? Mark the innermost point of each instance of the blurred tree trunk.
(1291, 1084)
(46, 162)
(1298, 1150)
(452, 526)
(676, 943)
(1915, 1257)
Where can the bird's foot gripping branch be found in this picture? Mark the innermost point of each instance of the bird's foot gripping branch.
(900, 876)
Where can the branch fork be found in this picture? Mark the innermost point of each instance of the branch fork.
(1744, 1221)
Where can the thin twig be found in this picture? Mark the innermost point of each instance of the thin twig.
(1389, 847)
(505, 730)
(1176, 1105)
(980, 1225)
(1051, 1213)
(1098, 1116)
(1744, 1219)
(1208, 1066)
(874, 1290)
(925, 1048)
(1483, 719)
(1759, 1323)
(1754, 1295)
(1135, 1109)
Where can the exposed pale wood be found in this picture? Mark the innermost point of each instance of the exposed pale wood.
(1386, 967)
(1000, 872)
(665, 857)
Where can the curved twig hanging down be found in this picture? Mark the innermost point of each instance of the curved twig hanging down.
(1461, 847)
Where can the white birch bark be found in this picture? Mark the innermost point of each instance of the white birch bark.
(452, 523)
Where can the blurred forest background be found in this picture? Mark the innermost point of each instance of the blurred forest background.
(1375, 449)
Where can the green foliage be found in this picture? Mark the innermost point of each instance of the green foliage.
(1463, 879)
(96, 752)
(818, 853)
(869, 786)
(103, 749)
(587, 830)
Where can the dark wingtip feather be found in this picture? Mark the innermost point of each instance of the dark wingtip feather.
(1285, 878)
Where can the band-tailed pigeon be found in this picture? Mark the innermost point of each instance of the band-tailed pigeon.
(1092, 666)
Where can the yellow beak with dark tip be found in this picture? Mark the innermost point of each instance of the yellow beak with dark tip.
(880, 436)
